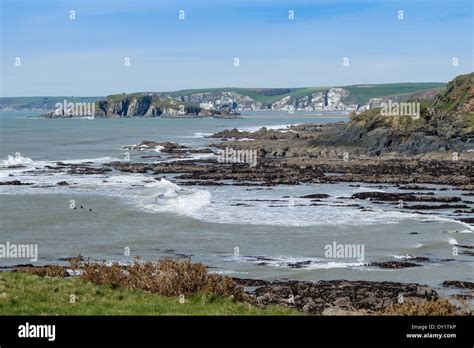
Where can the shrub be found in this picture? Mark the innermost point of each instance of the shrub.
(45, 271)
(167, 277)
(434, 307)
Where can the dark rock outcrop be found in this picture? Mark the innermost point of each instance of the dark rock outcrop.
(458, 284)
(14, 182)
(392, 197)
(325, 297)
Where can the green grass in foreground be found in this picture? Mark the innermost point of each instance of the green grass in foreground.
(24, 294)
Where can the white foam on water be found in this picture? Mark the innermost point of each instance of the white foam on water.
(192, 156)
(120, 182)
(16, 160)
(200, 135)
(402, 257)
(26, 161)
(445, 219)
(280, 127)
(229, 272)
(369, 189)
(309, 263)
(99, 160)
(331, 265)
(281, 214)
(198, 156)
(452, 241)
(164, 188)
(135, 188)
(165, 196)
(43, 180)
(225, 209)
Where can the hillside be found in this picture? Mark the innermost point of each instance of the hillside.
(452, 112)
(40, 103)
(361, 94)
(262, 95)
(448, 114)
(446, 122)
(222, 100)
(443, 127)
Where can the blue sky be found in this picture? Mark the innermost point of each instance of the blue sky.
(85, 56)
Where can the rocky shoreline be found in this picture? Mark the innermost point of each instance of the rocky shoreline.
(369, 149)
(275, 172)
(324, 297)
(412, 175)
(348, 297)
(340, 297)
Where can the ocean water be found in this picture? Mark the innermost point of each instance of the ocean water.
(244, 231)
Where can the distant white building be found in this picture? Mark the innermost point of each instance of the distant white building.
(207, 106)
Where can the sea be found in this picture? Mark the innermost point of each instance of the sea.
(242, 231)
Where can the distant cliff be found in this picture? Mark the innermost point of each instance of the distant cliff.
(437, 125)
(230, 101)
(135, 105)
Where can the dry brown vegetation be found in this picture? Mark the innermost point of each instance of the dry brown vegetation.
(435, 307)
(45, 271)
(170, 277)
(167, 277)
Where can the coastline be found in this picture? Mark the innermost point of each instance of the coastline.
(393, 177)
(314, 154)
(334, 297)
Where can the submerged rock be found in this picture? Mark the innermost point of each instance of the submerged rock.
(14, 182)
(316, 196)
(458, 284)
(394, 264)
(407, 197)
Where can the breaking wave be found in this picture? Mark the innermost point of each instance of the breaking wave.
(310, 263)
